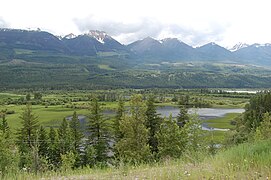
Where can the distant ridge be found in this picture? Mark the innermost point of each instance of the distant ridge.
(148, 49)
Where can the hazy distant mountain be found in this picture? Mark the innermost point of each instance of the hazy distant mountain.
(92, 42)
(213, 52)
(178, 50)
(81, 45)
(33, 40)
(259, 54)
(14, 43)
(147, 48)
(166, 49)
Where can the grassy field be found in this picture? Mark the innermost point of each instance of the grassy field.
(223, 122)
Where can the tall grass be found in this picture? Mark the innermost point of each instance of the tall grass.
(245, 161)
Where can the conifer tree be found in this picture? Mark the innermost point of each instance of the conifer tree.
(117, 120)
(75, 132)
(4, 124)
(133, 147)
(99, 131)
(182, 117)
(43, 142)
(64, 137)
(29, 126)
(153, 122)
(53, 152)
(171, 139)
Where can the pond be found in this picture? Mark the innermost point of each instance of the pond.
(204, 113)
(165, 111)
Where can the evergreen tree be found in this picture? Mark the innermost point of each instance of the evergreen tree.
(29, 126)
(99, 130)
(153, 122)
(43, 142)
(76, 138)
(182, 117)
(53, 152)
(133, 147)
(28, 97)
(117, 120)
(75, 132)
(64, 136)
(4, 124)
(171, 139)
(264, 130)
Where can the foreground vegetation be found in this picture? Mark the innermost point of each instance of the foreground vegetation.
(134, 142)
(245, 161)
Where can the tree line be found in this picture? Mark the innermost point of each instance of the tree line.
(255, 123)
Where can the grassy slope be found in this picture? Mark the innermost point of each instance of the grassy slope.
(245, 161)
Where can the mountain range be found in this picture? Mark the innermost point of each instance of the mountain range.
(95, 43)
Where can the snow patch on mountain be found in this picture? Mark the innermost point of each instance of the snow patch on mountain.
(261, 45)
(238, 46)
(98, 35)
(70, 36)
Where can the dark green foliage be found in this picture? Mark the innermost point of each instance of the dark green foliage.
(4, 124)
(27, 136)
(153, 122)
(28, 97)
(117, 120)
(29, 126)
(133, 147)
(75, 133)
(53, 153)
(37, 96)
(64, 136)
(76, 137)
(98, 129)
(182, 117)
(43, 142)
(252, 118)
(171, 139)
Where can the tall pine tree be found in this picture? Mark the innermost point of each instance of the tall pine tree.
(75, 132)
(99, 130)
(53, 151)
(182, 117)
(43, 142)
(64, 137)
(4, 124)
(117, 120)
(153, 122)
(29, 126)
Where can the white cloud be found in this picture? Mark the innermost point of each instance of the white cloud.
(3, 23)
(195, 21)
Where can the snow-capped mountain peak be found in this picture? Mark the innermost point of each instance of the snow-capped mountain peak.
(70, 36)
(98, 35)
(238, 46)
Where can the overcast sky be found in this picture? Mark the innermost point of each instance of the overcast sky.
(194, 22)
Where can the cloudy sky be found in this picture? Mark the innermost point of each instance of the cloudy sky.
(194, 22)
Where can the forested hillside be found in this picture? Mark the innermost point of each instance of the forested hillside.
(95, 60)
